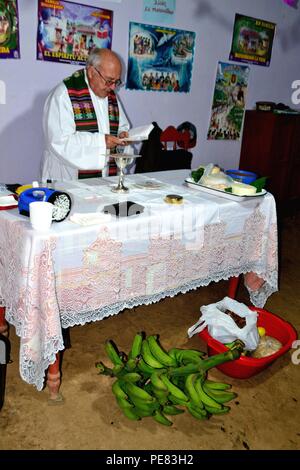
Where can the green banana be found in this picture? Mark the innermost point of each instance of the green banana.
(138, 392)
(144, 367)
(118, 369)
(176, 401)
(204, 397)
(131, 377)
(191, 390)
(172, 353)
(142, 412)
(197, 384)
(157, 382)
(131, 364)
(185, 356)
(196, 412)
(145, 406)
(220, 396)
(136, 346)
(173, 389)
(159, 353)
(118, 391)
(161, 396)
(161, 418)
(179, 381)
(131, 414)
(148, 356)
(123, 403)
(216, 411)
(152, 382)
(113, 353)
(204, 364)
(216, 385)
(187, 369)
(172, 410)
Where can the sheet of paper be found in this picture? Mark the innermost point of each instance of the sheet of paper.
(139, 133)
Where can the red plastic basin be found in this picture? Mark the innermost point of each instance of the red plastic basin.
(246, 367)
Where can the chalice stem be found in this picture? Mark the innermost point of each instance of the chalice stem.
(121, 178)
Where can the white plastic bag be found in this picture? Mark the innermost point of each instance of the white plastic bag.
(223, 328)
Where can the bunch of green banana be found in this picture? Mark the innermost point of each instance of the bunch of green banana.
(151, 381)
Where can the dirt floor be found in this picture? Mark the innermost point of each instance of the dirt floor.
(266, 414)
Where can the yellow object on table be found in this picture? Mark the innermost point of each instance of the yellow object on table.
(20, 189)
(173, 199)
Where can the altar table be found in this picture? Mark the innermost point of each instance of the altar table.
(76, 274)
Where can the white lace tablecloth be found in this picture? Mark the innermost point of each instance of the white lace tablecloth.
(76, 274)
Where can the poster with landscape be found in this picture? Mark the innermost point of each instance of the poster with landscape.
(160, 58)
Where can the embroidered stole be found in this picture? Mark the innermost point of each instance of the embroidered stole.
(85, 116)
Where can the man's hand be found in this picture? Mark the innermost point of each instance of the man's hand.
(112, 141)
(123, 135)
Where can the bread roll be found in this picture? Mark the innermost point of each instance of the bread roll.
(242, 189)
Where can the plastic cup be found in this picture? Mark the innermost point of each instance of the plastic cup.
(40, 213)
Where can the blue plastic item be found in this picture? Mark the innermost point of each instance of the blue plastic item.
(60, 200)
(242, 176)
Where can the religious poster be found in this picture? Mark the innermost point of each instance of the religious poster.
(228, 106)
(160, 58)
(9, 30)
(252, 40)
(160, 11)
(68, 31)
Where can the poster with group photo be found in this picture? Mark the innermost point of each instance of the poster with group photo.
(160, 58)
(68, 31)
(9, 30)
(252, 40)
(228, 106)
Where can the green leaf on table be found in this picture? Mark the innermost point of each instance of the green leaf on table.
(228, 190)
(260, 183)
(196, 174)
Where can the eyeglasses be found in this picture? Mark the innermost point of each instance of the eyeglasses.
(107, 81)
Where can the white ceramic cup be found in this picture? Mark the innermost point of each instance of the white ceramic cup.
(41, 215)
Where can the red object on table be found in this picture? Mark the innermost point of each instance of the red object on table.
(11, 206)
(246, 367)
(5, 208)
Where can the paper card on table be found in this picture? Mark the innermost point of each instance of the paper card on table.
(90, 218)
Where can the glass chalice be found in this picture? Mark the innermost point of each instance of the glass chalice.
(123, 158)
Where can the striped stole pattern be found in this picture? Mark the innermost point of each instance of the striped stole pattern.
(85, 116)
(113, 116)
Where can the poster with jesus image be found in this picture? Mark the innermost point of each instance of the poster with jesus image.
(228, 106)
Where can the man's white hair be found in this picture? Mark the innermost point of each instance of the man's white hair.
(94, 57)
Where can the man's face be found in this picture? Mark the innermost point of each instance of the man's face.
(104, 78)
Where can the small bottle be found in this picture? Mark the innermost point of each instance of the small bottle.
(49, 184)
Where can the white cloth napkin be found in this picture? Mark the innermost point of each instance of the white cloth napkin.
(90, 218)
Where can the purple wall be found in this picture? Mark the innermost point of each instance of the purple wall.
(28, 81)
